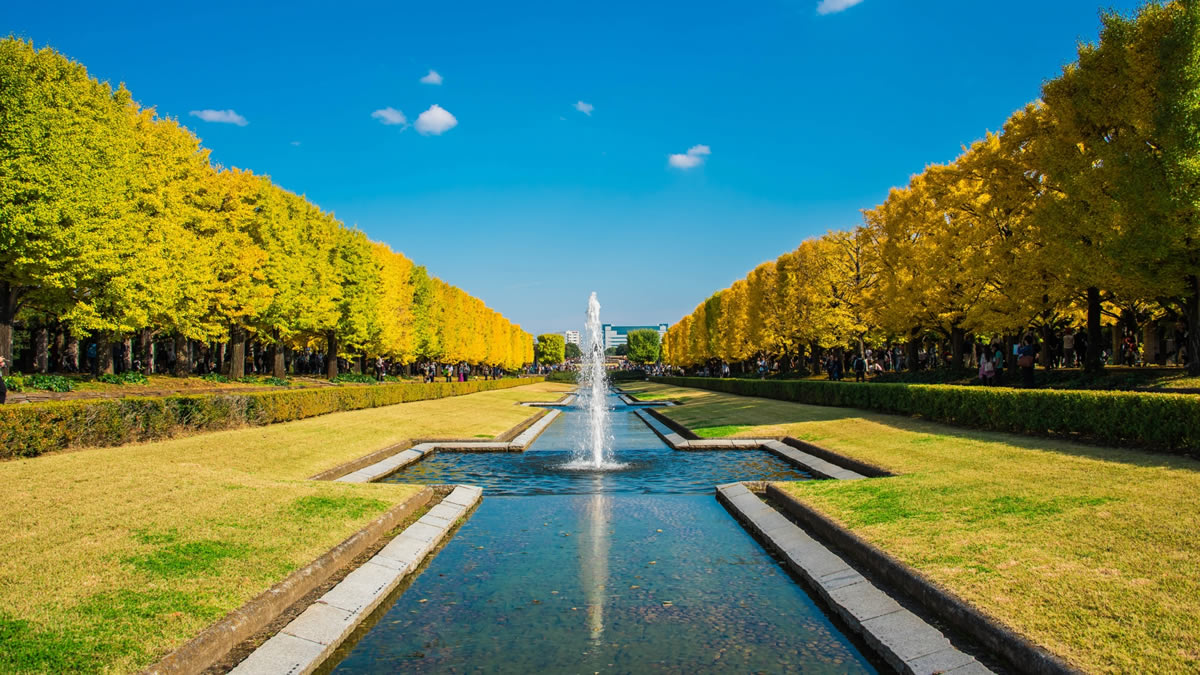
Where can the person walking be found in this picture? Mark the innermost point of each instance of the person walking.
(998, 364)
(1026, 357)
(860, 369)
(379, 368)
(987, 368)
(3, 384)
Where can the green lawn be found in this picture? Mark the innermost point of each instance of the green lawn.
(1091, 552)
(111, 557)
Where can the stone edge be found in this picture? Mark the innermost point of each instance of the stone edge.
(398, 461)
(214, 642)
(902, 639)
(308, 640)
(1018, 651)
(818, 466)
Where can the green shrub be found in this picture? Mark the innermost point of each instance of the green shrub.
(1161, 421)
(354, 378)
(47, 383)
(567, 376)
(215, 377)
(30, 430)
(130, 377)
(15, 382)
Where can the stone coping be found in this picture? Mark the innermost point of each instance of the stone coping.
(817, 466)
(904, 640)
(1023, 654)
(214, 642)
(305, 643)
(394, 463)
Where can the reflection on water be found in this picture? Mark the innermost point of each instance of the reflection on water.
(593, 560)
(630, 570)
(677, 586)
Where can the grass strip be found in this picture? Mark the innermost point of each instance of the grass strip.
(113, 557)
(1092, 552)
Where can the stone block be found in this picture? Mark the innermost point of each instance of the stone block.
(862, 601)
(407, 550)
(902, 636)
(323, 624)
(282, 654)
(944, 661)
(973, 668)
(363, 589)
(447, 511)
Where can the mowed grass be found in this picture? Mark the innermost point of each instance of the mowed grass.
(111, 557)
(1091, 552)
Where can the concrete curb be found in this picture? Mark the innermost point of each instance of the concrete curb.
(199, 653)
(815, 465)
(1026, 656)
(386, 467)
(305, 643)
(904, 640)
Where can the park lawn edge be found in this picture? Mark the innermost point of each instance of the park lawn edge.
(1089, 552)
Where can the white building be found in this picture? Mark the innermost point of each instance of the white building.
(572, 337)
(619, 335)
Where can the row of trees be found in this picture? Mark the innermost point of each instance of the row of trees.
(114, 222)
(1083, 210)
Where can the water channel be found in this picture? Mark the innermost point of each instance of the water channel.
(568, 570)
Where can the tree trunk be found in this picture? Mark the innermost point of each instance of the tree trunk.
(1093, 363)
(1010, 359)
(219, 357)
(41, 349)
(913, 362)
(1150, 348)
(1193, 342)
(1046, 356)
(104, 354)
(57, 356)
(237, 352)
(71, 353)
(331, 359)
(8, 310)
(956, 347)
(183, 356)
(146, 347)
(278, 367)
(1118, 358)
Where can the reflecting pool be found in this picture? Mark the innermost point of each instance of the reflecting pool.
(631, 570)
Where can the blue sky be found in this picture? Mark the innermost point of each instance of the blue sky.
(796, 113)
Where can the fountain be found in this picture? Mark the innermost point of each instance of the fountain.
(592, 397)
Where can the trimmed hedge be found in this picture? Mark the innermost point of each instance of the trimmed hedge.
(29, 430)
(1161, 421)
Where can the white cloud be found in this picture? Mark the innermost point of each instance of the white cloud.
(222, 116)
(432, 78)
(835, 6)
(296, 143)
(693, 158)
(390, 115)
(436, 121)
(585, 108)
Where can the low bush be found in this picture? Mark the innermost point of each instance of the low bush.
(1161, 421)
(131, 377)
(567, 376)
(627, 375)
(19, 382)
(36, 428)
(215, 377)
(354, 378)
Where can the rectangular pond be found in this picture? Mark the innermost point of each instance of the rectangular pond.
(636, 569)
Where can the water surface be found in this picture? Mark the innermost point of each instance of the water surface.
(581, 571)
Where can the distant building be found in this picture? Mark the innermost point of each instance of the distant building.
(615, 336)
(572, 337)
